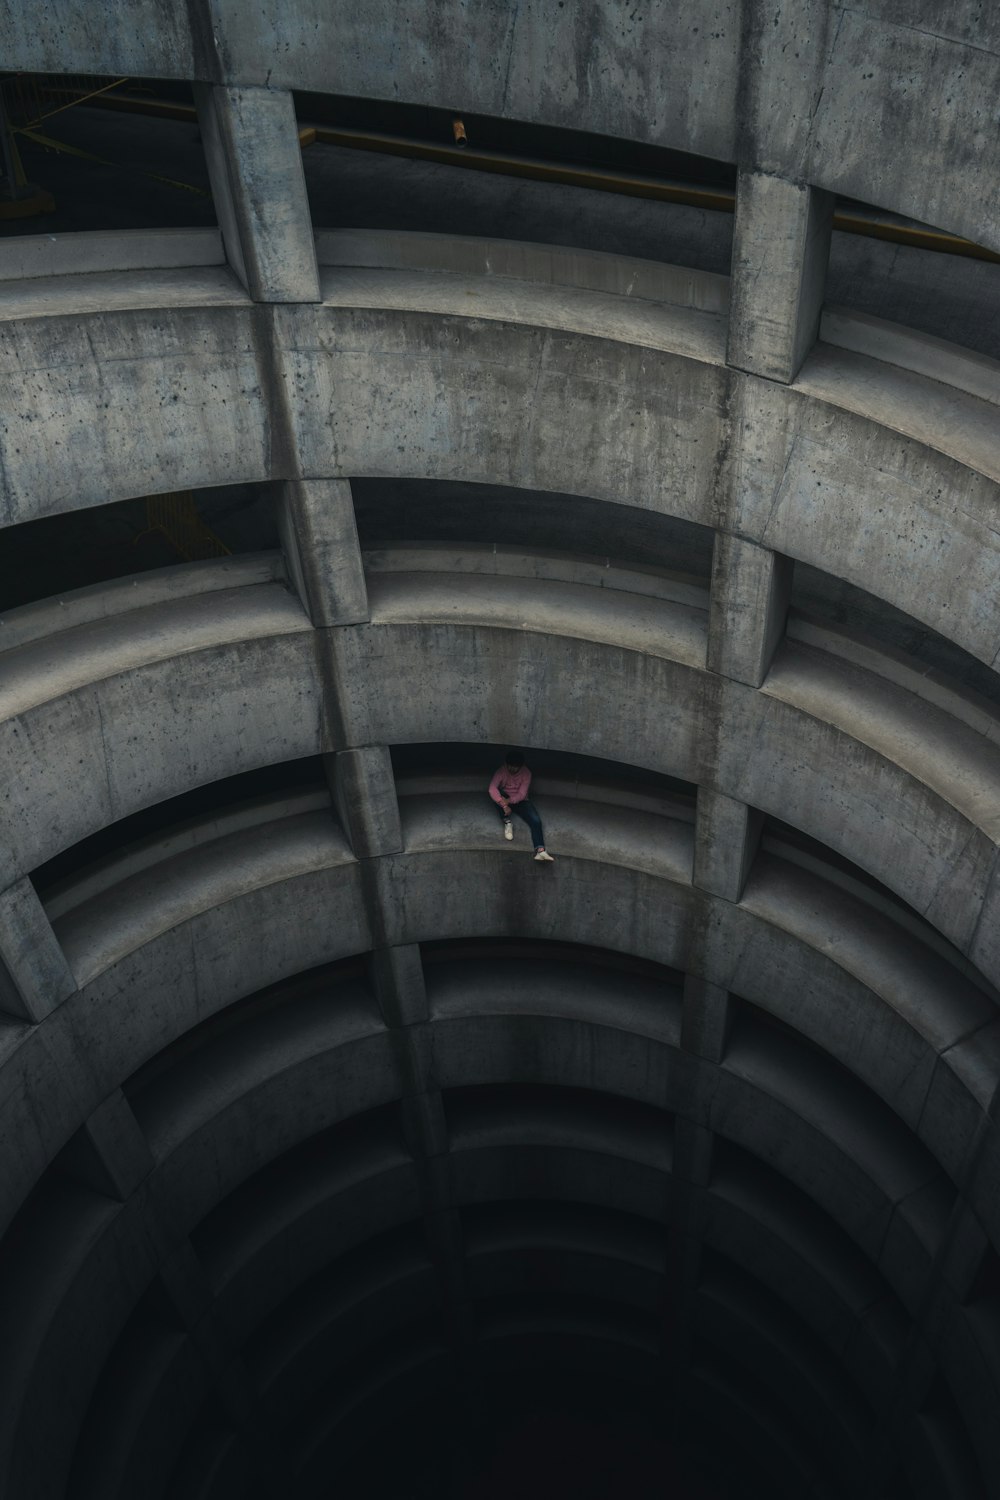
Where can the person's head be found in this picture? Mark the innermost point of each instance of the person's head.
(513, 760)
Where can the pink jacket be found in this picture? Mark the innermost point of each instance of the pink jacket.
(512, 785)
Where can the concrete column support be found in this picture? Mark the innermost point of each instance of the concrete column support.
(398, 979)
(364, 793)
(34, 974)
(707, 1019)
(748, 606)
(255, 165)
(320, 541)
(109, 1152)
(693, 1144)
(725, 841)
(397, 974)
(781, 245)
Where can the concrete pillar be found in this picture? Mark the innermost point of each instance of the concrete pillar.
(398, 978)
(748, 606)
(320, 541)
(109, 1152)
(364, 793)
(963, 1253)
(397, 974)
(692, 1160)
(255, 164)
(193, 1299)
(707, 1019)
(781, 245)
(34, 974)
(725, 841)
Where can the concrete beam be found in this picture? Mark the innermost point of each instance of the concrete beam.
(781, 244)
(34, 974)
(320, 542)
(255, 165)
(748, 605)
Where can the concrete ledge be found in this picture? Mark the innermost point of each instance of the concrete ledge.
(939, 781)
(328, 1338)
(147, 855)
(116, 403)
(557, 69)
(68, 1291)
(94, 294)
(100, 601)
(232, 707)
(118, 645)
(651, 628)
(188, 973)
(275, 1351)
(926, 409)
(447, 884)
(267, 1238)
(802, 1377)
(519, 260)
(139, 1424)
(109, 250)
(201, 1128)
(106, 928)
(896, 345)
(689, 330)
(560, 567)
(853, 435)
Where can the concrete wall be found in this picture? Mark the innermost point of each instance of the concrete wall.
(822, 95)
(302, 1096)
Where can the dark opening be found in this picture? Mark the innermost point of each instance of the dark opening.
(90, 166)
(425, 510)
(513, 180)
(79, 548)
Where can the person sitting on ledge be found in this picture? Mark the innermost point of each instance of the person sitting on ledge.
(509, 791)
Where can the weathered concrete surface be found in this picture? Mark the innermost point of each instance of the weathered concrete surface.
(119, 596)
(726, 838)
(223, 709)
(320, 540)
(749, 605)
(459, 896)
(255, 164)
(935, 842)
(34, 977)
(108, 250)
(853, 102)
(881, 1095)
(781, 244)
(128, 404)
(203, 963)
(512, 384)
(541, 62)
(856, 728)
(887, 105)
(417, 391)
(523, 260)
(202, 1089)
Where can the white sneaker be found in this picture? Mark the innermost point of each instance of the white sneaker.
(542, 854)
(508, 829)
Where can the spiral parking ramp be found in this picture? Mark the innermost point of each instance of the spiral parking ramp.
(345, 1150)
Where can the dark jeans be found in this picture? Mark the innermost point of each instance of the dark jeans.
(526, 811)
